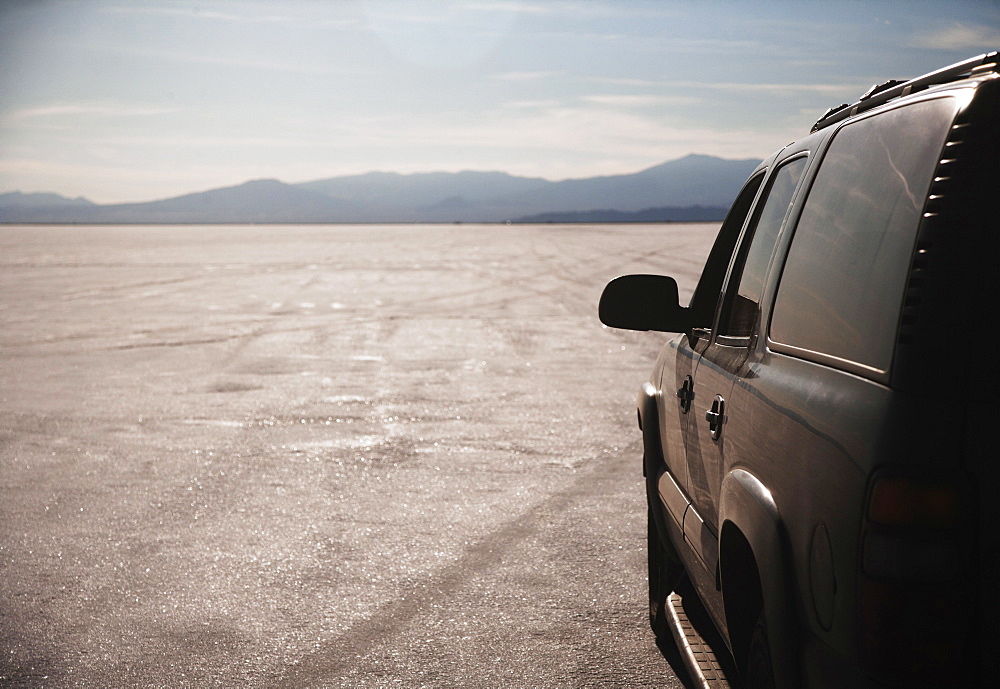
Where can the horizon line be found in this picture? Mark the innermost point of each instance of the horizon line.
(370, 172)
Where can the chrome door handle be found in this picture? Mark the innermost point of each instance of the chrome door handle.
(716, 416)
(686, 394)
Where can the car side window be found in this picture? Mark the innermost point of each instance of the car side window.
(706, 294)
(746, 283)
(842, 286)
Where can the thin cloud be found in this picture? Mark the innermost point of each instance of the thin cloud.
(528, 76)
(248, 18)
(195, 142)
(94, 110)
(514, 6)
(818, 87)
(440, 13)
(639, 101)
(960, 37)
(760, 86)
(625, 81)
(246, 63)
(564, 132)
(531, 104)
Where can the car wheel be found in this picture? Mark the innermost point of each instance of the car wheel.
(664, 573)
(759, 674)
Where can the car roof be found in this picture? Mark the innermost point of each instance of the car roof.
(889, 90)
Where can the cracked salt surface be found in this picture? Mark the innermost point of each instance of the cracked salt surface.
(423, 510)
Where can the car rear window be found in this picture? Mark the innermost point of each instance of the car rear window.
(842, 285)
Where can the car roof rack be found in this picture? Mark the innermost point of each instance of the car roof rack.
(882, 93)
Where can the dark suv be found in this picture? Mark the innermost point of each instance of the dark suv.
(820, 461)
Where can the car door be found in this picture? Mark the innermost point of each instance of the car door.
(677, 377)
(718, 363)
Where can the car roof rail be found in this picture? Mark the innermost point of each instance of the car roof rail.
(882, 93)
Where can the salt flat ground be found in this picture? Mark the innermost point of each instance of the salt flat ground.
(324, 456)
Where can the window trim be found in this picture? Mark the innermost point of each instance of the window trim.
(734, 340)
(870, 372)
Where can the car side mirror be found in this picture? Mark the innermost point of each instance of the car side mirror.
(644, 302)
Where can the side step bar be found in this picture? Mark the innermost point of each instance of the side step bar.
(700, 659)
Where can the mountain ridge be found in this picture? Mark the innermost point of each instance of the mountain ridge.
(695, 181)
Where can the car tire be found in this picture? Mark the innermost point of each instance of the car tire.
(664, 573)
(759, 672)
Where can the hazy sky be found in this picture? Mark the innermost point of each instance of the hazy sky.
(119, 100)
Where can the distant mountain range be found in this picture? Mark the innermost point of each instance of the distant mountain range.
(693, 188)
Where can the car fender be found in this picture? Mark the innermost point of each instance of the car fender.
(649, 424)
(746, 504)
(653, 461)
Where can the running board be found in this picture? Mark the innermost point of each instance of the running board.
(699, 657)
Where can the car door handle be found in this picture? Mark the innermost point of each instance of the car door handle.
(716, 417)
(686, 394)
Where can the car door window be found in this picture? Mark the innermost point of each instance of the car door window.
(706, 294)
(740, 308)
